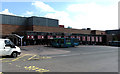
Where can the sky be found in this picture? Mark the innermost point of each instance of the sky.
(78, 14)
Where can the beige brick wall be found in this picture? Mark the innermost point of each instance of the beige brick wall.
(8, 29)
(55, 29)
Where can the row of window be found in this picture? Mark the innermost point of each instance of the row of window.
(81, 38)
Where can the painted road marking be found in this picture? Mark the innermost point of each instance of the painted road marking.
(1, 73)
(32, 57)
(10, 63)
(18, 58)
(45, 57)
(37, 69)
(88, 53)
(66, 55)
(39, 57)
(6, 61)
(24, 60)
(2, 58)
(21, 57)
(18, 66)
(29, 54)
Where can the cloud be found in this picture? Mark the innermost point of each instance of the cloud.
(88, 15)
(6, 11)
(44, 7)
(29, 13)
(95, 16)
(62, 16)
(91, 15)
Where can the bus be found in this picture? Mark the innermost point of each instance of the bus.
(75, 42)
(114, 43)
(64, 42)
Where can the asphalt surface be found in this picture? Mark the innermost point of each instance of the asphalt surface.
(74, 59)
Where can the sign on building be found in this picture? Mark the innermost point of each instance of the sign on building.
(66, 37)
(79, 37)
(88, 38)
(93, 38)
(83, 38)
(40, 37)
(100, 39)
(58, 36)
(72, 36)
(50, 37)
(96, 39)
(30, 36)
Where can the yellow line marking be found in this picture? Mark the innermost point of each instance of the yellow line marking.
(1, 73)
(21, 57)
(36, 69)
(2, 58)
(24, 60)
(35, 58)
(18, 58)
(39, 57)
(5, 61)
(10, 63)
(32, 57)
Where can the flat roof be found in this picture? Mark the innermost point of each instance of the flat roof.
(28, 17)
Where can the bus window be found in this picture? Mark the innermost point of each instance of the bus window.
(68, 41)
(62, 41)
(76, 40)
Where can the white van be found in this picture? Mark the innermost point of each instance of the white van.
(7, 48)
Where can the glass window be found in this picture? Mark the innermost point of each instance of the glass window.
(68, 40)
(8, 42)
(62, 40)
(75, 40)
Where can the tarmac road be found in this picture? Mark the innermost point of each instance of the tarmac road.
(74, 59)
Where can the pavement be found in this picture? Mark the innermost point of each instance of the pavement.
(75, 59)
(42, 50)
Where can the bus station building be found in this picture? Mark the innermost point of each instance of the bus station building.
(38, 30)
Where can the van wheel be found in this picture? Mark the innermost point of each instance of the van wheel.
(14, 54)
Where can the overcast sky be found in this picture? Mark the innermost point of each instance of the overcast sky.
(94, 14)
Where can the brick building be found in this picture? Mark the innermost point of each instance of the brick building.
(113, 35)
(25, 26)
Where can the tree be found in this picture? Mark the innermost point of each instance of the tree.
(69, 27)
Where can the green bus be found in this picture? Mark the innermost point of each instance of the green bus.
(64, 42)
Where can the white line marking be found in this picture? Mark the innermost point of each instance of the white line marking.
(83, 53)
